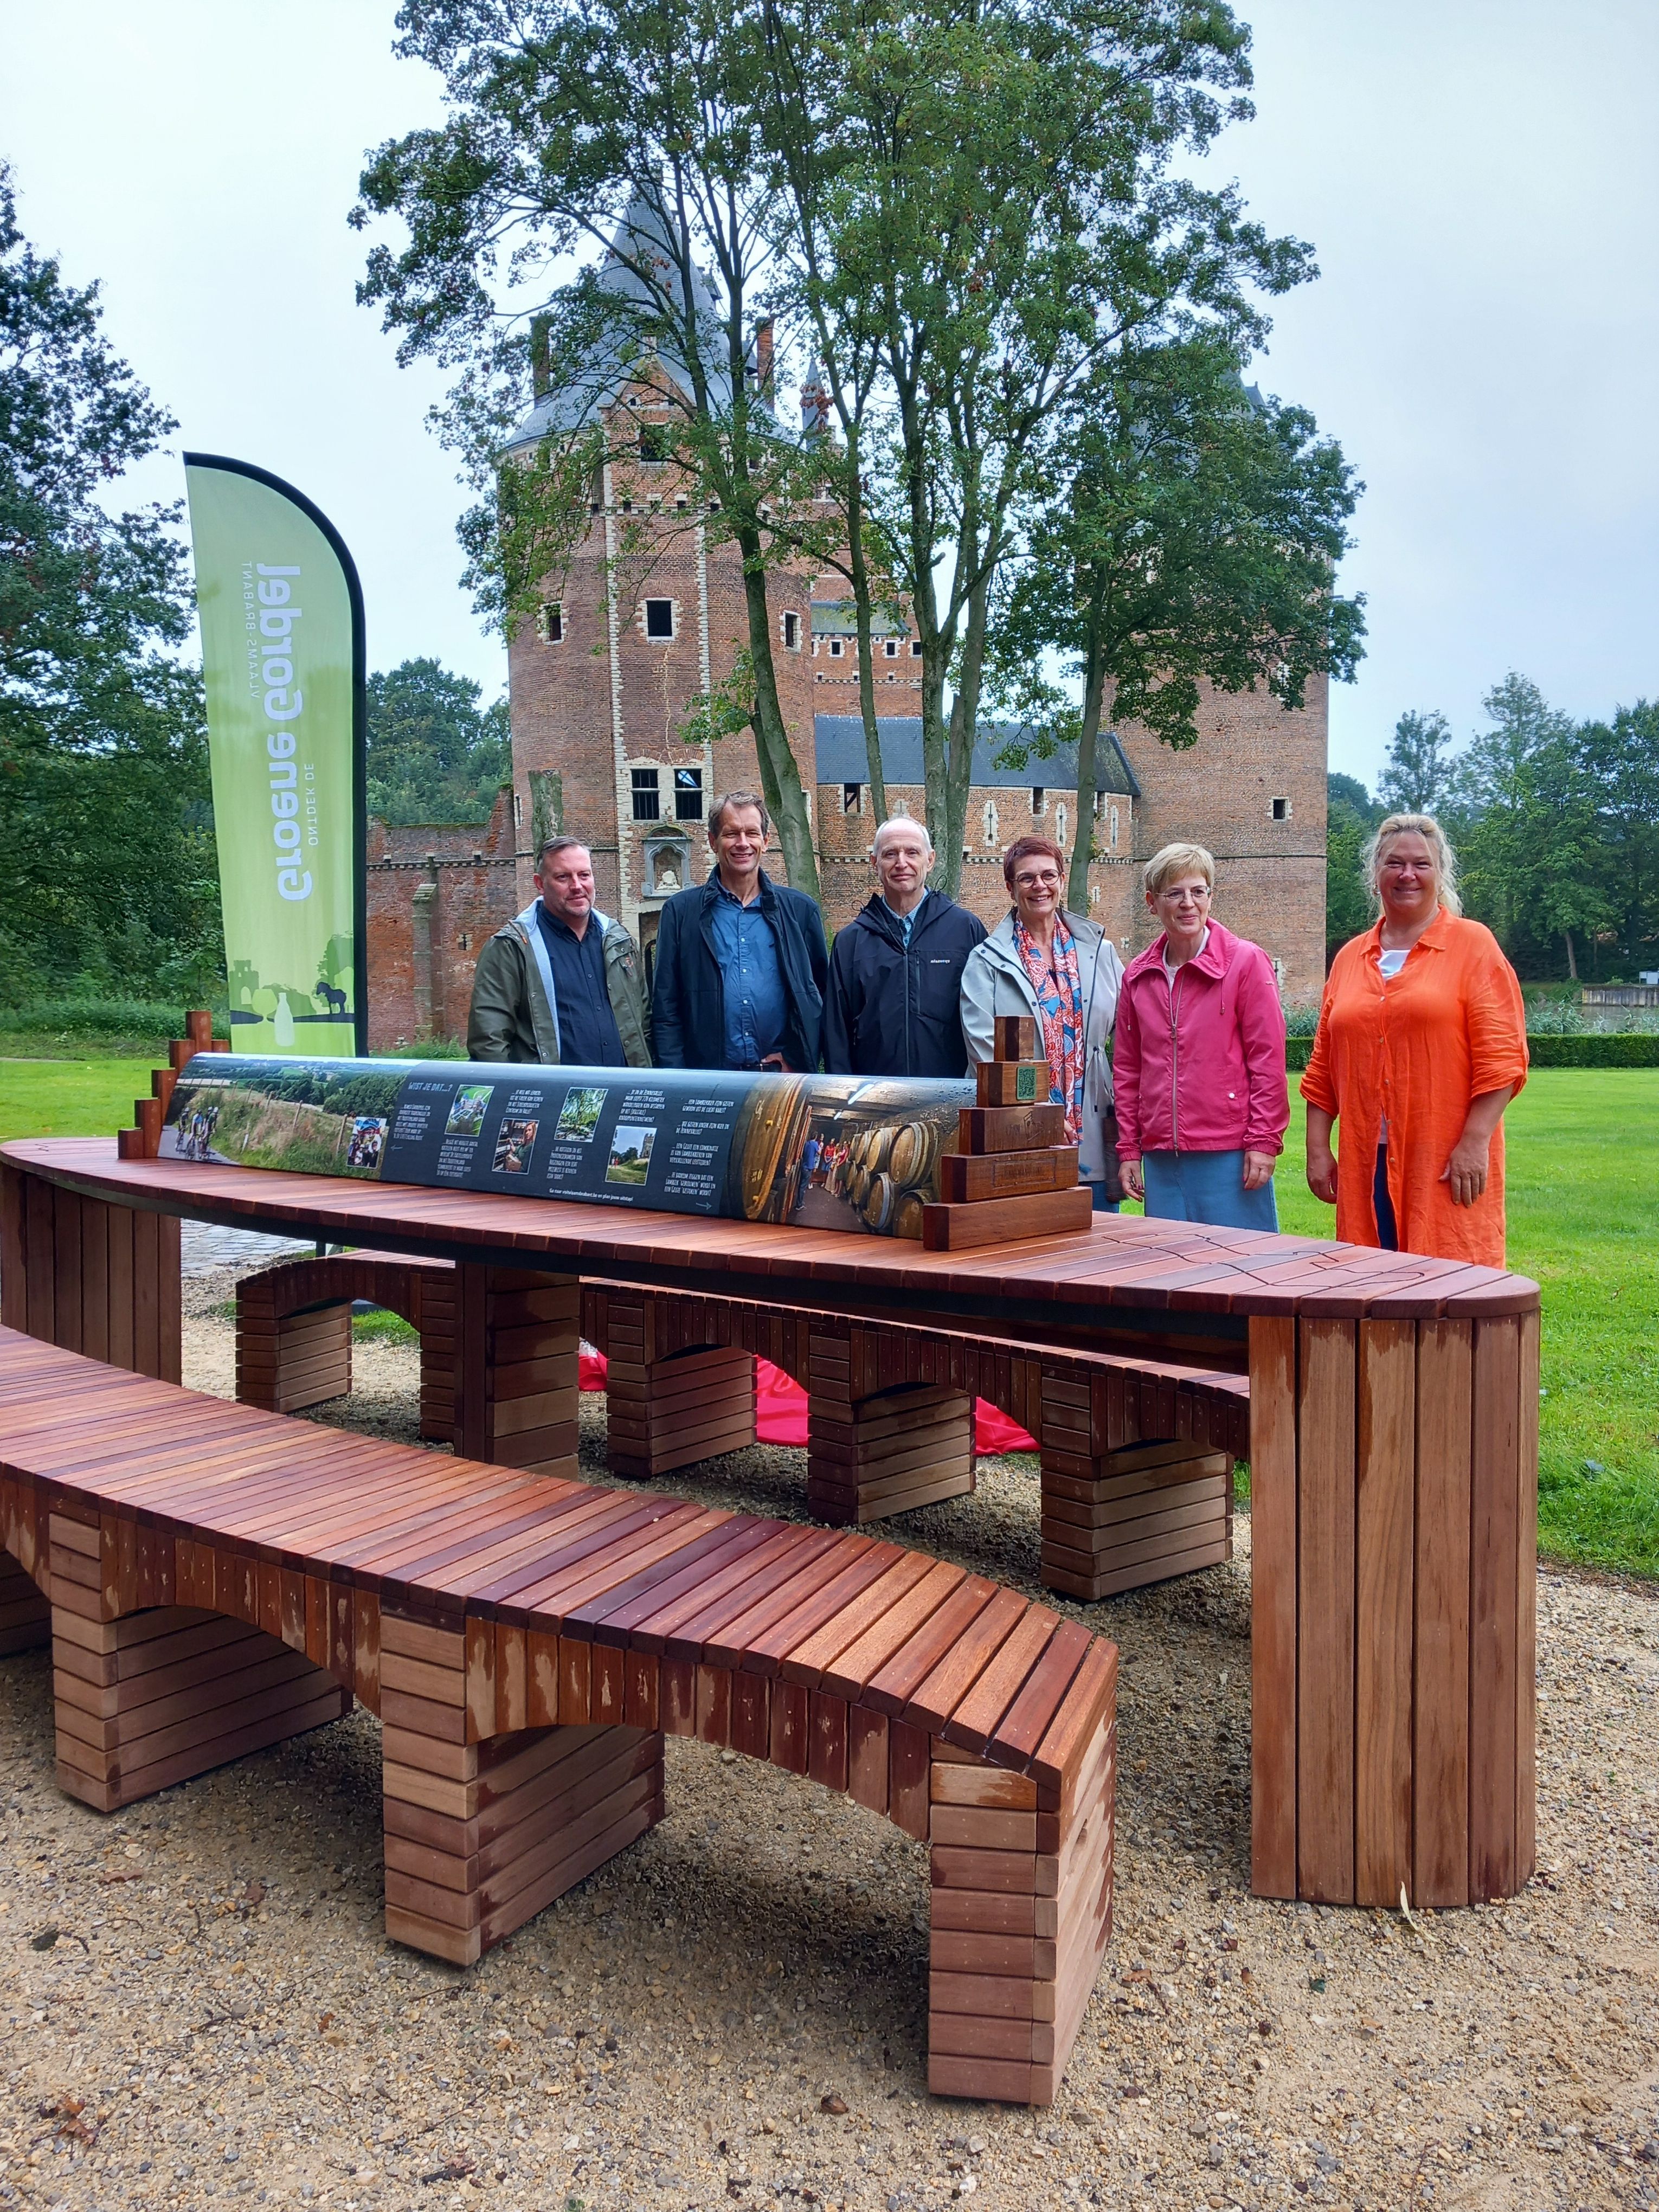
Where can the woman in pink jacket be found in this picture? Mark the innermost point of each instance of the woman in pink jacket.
(1198, 1064)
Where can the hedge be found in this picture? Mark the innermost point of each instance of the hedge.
(1590, 1051)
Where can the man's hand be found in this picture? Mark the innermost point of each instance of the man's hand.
(776, 1062)
(1258, 1169)
(1133, 1180)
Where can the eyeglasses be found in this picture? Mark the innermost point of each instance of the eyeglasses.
(1030, 882)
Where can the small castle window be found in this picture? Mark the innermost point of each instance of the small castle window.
(836, 649)
(688, 794)
(518, 809)
(852, 799)
(464, 942)
(988, 823)
(1281, 809)
(647, 795)
(1039, 800)
(660, 618)
(1060, 825)
(791, 630)
(915, 649)
(1113, 830)
(654, 445)
(549, 622)
(891, 648)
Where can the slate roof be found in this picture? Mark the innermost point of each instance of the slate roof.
(842, 759)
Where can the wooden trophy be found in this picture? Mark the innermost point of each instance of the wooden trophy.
(1013, 1174)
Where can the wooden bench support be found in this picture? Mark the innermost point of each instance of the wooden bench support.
(517, 1361)
(672, 1412)
(294, 1330)
(25, 1612)
(154, 1698)
(886, 1454)
(90, 1276)
(480, 1836)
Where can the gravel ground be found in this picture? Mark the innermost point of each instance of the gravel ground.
(198, 2002)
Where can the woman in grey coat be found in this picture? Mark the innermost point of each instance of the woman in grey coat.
(1062, 971)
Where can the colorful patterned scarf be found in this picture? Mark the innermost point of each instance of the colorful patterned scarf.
(1056, 978)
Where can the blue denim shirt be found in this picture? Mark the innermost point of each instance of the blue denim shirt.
(755, 1008)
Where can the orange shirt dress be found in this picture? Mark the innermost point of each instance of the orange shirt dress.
(1450, 1027)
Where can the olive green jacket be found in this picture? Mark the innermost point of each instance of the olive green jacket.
(514, 1012)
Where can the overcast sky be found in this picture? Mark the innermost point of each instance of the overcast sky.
(1480, 179)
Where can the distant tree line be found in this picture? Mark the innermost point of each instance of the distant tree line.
(1556, 824)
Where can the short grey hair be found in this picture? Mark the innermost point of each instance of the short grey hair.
(1173, 862)
(725, 799)
(561, 844)
(1445, 860)
(900, 822)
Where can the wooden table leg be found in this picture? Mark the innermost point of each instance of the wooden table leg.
(91, 1276)
(1394, 1523)
(516, 1367)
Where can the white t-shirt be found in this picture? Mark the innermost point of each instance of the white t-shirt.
(1392, 962)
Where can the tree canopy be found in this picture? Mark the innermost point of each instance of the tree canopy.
(111, 879)
(432, 755)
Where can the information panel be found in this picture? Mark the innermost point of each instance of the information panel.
(825, 1151)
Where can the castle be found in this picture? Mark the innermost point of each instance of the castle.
(599, 689)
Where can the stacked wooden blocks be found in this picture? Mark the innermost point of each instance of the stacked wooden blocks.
(667, 1413)
(482, 1831)
(286, 1362)
(888, 1453)
(1021, 1913)
(1117, 1519)
(143, 1140)
(151, 1699)
(1013, 1175)
(25, 1615)
(516, 1367)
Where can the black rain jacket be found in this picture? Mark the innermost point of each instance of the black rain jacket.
(894, 1011)
(688, 992)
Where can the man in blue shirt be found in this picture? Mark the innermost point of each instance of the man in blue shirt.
(560, 981)
(741, 960)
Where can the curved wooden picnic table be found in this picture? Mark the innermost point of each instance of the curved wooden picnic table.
(1394, 1407)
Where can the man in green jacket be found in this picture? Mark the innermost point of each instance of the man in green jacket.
(561, 983)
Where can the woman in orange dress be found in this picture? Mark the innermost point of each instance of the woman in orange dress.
(1421, 1044)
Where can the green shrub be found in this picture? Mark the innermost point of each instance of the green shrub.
(1545, 1050)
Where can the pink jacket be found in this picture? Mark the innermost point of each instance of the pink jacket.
(1207, 1073)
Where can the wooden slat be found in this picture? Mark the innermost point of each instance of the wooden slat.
(1325, 1611)
(1273, 1510)
(1384, 1533)
(1495, 1551)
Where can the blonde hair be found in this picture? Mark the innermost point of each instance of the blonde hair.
(1445, 860)
(1176, 860)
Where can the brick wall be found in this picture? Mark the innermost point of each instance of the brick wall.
(436, 893)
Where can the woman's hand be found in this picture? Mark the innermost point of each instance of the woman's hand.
(1467, 1170)
(1321, 1161)
(1258, 1169)
(1132, 1180)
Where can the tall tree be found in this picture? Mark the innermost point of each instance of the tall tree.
(1005, 216)
(110, 877)
(1530, 847)
(1420, 774)
(632, 127)
(1193, 540)
(433, 755)
(1621, 760)
(1351, 816)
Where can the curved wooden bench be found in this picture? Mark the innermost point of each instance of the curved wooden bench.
(221, 1578)
(294, 1330)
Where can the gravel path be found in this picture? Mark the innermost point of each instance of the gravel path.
(198, 2003)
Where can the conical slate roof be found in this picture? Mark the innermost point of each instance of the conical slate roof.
(640, 238)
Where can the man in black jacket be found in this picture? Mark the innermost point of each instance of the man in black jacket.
(895, 972)
(741, 961)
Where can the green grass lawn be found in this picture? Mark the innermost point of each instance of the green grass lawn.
(71, 1097)
(1583, 1208)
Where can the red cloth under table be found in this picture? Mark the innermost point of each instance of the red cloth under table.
(781, 1409)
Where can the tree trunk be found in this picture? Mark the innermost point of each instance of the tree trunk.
(964, 728)
(858, 569)
(1083, 846)
(780, 783)
(1572, 958)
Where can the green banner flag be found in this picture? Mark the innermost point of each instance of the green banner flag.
(282, 617)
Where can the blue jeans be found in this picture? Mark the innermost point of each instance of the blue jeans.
(1205, 1186)
(1102, 1204)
